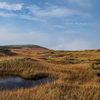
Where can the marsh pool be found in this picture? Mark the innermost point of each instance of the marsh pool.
(13, 83)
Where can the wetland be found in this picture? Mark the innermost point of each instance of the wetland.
(14, 83)
(33, 75)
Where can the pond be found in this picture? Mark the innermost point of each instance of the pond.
(44, 54)
(71, 63)
(13, 83)
(50, 56)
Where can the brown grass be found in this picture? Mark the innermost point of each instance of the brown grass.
(77, 81)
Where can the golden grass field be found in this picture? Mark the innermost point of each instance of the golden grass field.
(77, 73)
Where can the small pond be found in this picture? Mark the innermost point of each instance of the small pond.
(44, 54)
(50, 56)
(71, 63)
(11, 83)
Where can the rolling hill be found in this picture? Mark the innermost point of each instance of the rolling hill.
(21, 46)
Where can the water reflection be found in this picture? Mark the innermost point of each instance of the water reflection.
(10, 83)
(50, 56)
(71, 63)
(44, 54)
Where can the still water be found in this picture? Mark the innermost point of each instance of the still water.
(44, 54)
(11, 83)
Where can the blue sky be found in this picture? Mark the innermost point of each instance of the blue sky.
(55, 24)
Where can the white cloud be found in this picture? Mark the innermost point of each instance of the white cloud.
(58, 26)
(30, 17)
(4, 5)
(41, 13)
(73, 45)
(8, 14)
(77, 23)
(72, 32)
(82, 3)
(55, 12)
(46, 3)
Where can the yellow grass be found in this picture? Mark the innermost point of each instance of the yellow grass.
(77, 81)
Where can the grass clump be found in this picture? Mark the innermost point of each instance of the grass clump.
(22, 67)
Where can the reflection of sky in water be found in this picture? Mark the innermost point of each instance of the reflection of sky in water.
(50, 56)
(43, 53)
(71, 63)
(11, 83)
(10, 79)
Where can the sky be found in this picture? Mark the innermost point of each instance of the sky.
(54, 24)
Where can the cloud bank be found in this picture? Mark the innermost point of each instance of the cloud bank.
(37, 13)
(4, 5)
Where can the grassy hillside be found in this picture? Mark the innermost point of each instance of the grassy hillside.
(21, 46)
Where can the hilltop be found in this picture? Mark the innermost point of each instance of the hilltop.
(21, 46)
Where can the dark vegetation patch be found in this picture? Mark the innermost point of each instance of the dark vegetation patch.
(60, 55)
(38, 76)
(43, 58)
(98, 74)
(7, 51)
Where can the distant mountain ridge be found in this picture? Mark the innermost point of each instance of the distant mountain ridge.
(21, 46)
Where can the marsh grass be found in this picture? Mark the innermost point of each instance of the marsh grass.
(77, 81)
